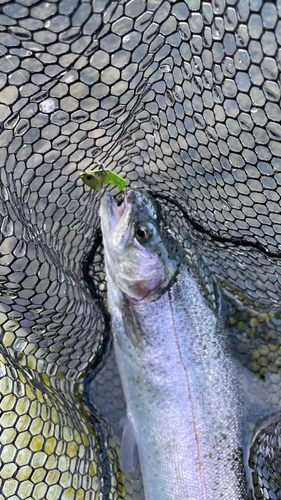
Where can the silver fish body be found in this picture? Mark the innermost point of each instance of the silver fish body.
(180, 383)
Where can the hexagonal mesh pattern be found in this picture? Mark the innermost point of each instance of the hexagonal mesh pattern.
(182, 97)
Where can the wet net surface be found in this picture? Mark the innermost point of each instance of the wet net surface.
(182, 98)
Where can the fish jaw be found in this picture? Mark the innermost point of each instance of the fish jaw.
(116, 225)
(115, 220)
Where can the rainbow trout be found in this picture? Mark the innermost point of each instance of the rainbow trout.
(180, 384)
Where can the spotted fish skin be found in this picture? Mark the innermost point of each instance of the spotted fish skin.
(180, 383)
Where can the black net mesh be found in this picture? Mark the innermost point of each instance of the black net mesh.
(183, 98)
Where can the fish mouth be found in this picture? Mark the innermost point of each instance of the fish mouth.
(115, 212)
(116, 219)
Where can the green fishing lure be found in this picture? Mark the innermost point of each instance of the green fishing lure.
(95, 179)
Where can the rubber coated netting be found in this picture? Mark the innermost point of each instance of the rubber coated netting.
(182, 98)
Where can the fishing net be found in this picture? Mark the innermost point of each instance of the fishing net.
(179, 97)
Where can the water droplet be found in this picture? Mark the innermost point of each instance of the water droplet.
(70, 76)
(19, 390)
(79, 116)
(241, 264)
(117, 111)
(3, 193)
(218, 95)
(40, 96)
(187, 71)
(96, 151)
(92, 48)
(211, 134)
(15, 315)
(199, 121)
(270, 95)
(218, 6)
(207, 81)
(20, 33)
(109, 122)
(197, 68)
(12, 121)
(166, 68)
(130, 144)
(7, 228)
(229, 68)
(20, 249)
(35, 308)
(155, 122)
(170, 100)
(132, 128)
(49, 105)
(274, 131)
(75, 225)
(31, 177)
(19, 345)
(59, 317)
(197, 85)
(10, 295)
(60, 117)
(183, 35)
(225, 206)
(178, 93)
(22, 127)
(142, 87)
(125, 160)
(25, 194)
(146, 63)
(142, 117)
(70, 35)
(38, 329)
(60, 142)
(54, 288)
(244, 125)
(240, 40)
(51, 369)
(11, 325)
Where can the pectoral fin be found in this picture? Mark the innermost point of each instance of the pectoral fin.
(132, 324)
(128, 455)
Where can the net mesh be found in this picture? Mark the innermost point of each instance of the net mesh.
(183, 98)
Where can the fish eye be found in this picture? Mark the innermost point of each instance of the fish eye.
(144, 232)
(89, 177)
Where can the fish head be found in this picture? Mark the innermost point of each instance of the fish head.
(140, 256)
